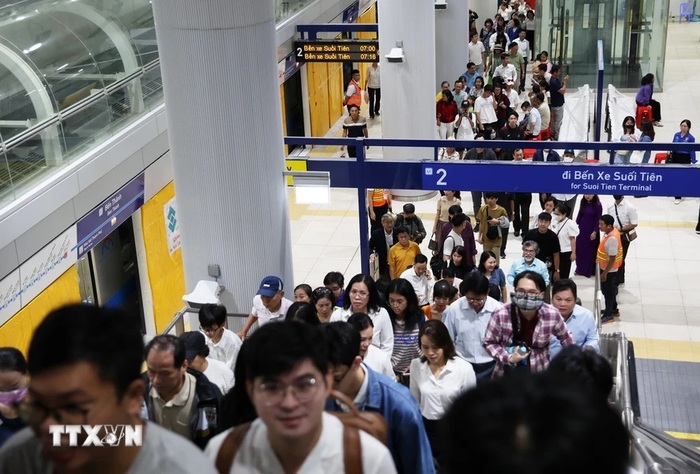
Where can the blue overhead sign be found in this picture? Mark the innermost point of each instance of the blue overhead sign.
(563, 178)
(109, 215)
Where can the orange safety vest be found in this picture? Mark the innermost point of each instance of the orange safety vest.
(379, 198)
(602, 255)
(356, 98)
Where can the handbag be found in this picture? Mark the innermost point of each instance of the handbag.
(630, 235)
(433, 245)
(492, 233)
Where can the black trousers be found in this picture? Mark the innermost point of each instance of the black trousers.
(609, 289)
(621, 270)
(678, 158)
(521, 216)
(375, 99)
(564, 264)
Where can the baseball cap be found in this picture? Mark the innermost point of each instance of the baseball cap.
(270, 285)
(569, 151)
(194, 343)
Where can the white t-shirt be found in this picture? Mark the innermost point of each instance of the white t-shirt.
(220, 375)
(226, 350)
(536, 119)
(264, 315)
(383, 330)
(255, 455)
(452, 240)
(465, 131)
(162, 451)
(435, 394)
(379, 361)
(484, 107)
(514, 98)
(565, 230)
(421, 285)
(476, 51)
(507, 72)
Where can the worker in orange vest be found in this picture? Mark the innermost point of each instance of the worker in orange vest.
(609, 259)
(353, 94)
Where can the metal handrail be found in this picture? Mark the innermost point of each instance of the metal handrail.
(651, 465)
(177, 323)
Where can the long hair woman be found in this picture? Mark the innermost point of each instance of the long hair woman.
(406, 320)
(589, 211)
(361, 296)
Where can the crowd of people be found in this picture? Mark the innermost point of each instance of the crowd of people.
(379, 388)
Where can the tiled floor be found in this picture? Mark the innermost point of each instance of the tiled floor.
(660, 302)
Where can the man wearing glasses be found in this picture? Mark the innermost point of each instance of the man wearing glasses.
(223, 343)
(466, 320)
(528, 262)
(288, 380)
(85, 363)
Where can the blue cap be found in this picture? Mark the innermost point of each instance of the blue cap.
(569, 151)
(270, 285)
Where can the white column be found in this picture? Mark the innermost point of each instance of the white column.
(451, 38)
(408, 88)
(219, 67)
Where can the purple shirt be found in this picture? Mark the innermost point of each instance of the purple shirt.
(644, 94)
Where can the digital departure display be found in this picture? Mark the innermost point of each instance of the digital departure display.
(334, 51)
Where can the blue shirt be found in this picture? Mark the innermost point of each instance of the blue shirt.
(520, 266)
(407, 441)
(467, 328)
(688, 138)
(581, 325)
(470, 79)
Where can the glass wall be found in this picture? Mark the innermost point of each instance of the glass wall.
(633, 34)
(72, 72)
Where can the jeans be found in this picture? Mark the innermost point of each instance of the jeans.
(374, 94)
(609, 289)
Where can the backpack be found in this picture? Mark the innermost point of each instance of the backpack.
(370, 422)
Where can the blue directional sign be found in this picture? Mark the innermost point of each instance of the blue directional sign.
(563, 178)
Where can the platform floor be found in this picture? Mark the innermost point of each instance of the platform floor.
(660, 302)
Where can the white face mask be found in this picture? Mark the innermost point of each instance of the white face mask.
(556, 218)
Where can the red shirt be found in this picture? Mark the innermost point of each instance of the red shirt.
(446, 111)
(527, 329)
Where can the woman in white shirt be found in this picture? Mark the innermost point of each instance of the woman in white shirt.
(361, 296)
(567, 231)
(438, 378)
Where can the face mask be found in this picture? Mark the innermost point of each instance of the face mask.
(13, 397)
(556, 218)
(527, 303)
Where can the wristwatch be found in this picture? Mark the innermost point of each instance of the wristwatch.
(557, 270)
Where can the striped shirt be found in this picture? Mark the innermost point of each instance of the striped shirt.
(406, 347)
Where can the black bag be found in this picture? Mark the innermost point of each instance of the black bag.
(492, 233)
(436, 265)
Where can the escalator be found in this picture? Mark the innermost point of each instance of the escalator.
(653, 450)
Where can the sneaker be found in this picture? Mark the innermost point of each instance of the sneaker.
(658, 124)
(503, 255)
(677, 201)
(607, 320)
(516, 233)
(377, 113)
(697, 229)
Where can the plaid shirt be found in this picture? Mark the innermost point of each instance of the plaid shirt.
(499, 335)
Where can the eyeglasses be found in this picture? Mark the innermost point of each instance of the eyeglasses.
(210, 330)
(272, 393)
(476, 300)
(34, 413)
(524, 294)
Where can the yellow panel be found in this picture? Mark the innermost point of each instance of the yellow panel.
(165, 272)
(294, 165)
(369, 16)
(284, 117)
(17, 331)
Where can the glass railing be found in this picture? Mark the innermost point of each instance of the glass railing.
(288, 8)
(72, 74)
